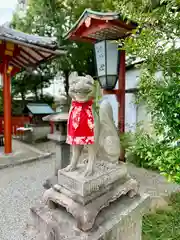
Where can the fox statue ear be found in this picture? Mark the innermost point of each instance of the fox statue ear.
(91, 80)
(72, 76)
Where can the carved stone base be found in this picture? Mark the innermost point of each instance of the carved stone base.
(122, 220)
(85, 197)
(86, 215)
(50, 182)
(85, 189)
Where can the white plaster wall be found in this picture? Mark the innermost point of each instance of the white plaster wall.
(131, 108)
(132, 78)
(130, 113)
(112, 100)
(133, 113)
(144, 118)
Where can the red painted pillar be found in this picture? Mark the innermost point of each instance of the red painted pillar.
(51, 127)
(7, 109)
(1, 129)
(121, 107)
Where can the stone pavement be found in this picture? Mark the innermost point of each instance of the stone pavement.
(48, 146)
(154, 184)
(22, 153)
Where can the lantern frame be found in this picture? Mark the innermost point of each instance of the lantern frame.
(106, 85)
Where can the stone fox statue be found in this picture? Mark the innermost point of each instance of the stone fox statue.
(86, 127)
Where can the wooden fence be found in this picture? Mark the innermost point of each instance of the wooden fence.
(17, 121)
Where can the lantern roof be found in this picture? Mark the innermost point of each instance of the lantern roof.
(57, 117)
(94, 26)
(38, 108)
(24, 50)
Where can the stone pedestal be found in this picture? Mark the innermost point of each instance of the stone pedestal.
(85, 197)
(62, 149)
(104, 206)
(122, 220)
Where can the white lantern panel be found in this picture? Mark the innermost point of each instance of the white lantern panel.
(108, 82)
(112, 58)
(102, 81)
(100, 53)
(111, 82)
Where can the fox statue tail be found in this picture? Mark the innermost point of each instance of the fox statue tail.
(109, 140)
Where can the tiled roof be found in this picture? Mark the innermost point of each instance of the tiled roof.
(39, 108)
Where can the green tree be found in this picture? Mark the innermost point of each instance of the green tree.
(55, 18)
(156, 41)
(19, 86)
(31, 82)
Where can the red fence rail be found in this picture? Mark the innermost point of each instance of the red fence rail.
(17, 121)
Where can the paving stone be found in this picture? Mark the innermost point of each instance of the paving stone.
(22, 153)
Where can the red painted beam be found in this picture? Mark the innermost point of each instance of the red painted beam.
(14, 71)
(96, 28)
(82, 39)
(7, 108)
(121, 107)
(1, 68)
(114, 91)
(121, 86)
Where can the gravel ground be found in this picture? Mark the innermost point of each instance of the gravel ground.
(20, 188)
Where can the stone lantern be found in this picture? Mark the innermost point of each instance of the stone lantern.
(59, 120)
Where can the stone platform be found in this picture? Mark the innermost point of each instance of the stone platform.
(86, 188)
(122, 220)
(85, 197)
(22, 153)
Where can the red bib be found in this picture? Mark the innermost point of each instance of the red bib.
(80, 124)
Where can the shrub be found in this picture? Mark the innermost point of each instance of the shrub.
(145, 151)
(169, 163)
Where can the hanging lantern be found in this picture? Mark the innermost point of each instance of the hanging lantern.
(107, 63)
